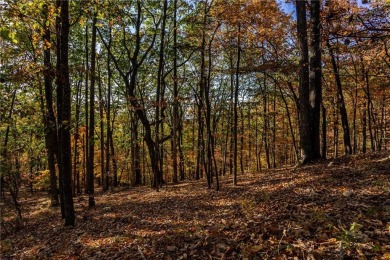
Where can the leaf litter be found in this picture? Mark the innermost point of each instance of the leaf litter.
(337, 210)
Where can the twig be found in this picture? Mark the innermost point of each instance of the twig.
(142, 254)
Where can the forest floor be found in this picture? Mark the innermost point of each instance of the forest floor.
(336, 209)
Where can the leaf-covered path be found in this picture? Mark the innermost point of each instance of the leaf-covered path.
(324, 211)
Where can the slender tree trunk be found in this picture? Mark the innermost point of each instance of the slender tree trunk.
(231, 117)
(175, 96)
(86, 108)
(181, 153)
(76, 173)
(64, 112)
(274, 132)
(130, 81)
(101, 107)
(91, 142)
(323, 153)
(49, 117)
(235, 105)
(355, 101)
(382, 123)
(257, 141)
(266, 122)
(369, 109)
(249, 161)
(341, 103)
(201, 149)
(113, 158)
(335, 129)
(105, 180)
(242, 140)
(289, 123)
(5, 146)
(136, 168)
(212, 171)
(159, 102)
(364, 128)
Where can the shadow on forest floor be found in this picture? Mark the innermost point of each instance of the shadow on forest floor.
(322, 211)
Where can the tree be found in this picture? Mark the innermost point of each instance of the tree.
(91, 137)
(304, 105)
(63, 111)
(309, 82)
(315, 76)
(49, 117)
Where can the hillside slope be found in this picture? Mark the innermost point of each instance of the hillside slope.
(331, 210)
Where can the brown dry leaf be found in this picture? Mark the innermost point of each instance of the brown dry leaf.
(303, 211)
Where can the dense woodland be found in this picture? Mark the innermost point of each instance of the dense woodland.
(102, 96)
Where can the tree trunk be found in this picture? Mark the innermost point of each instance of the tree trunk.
(91, 148)
(364, 128)
(289, 123)
(64, 112)
(200, 161)
(341, 103)
(235, 109)
(130, 81)
(175, 96)
(105, 180)
(136, 167)
(315, 76)
(101, 107)
(323, 153)
(307, 153)
(158, 119)
(49, 117)
(86, 108)
(76, 173)
(335, 129)
(266, 122)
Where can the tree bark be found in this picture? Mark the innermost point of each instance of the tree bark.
(106, 178)
(159, 100)
(101, 108)
(307, 153)
(91, 142)
(64, 112)
(315, 76)
(49, 117)
(235, 105)
(175, 97)
(341, 103)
